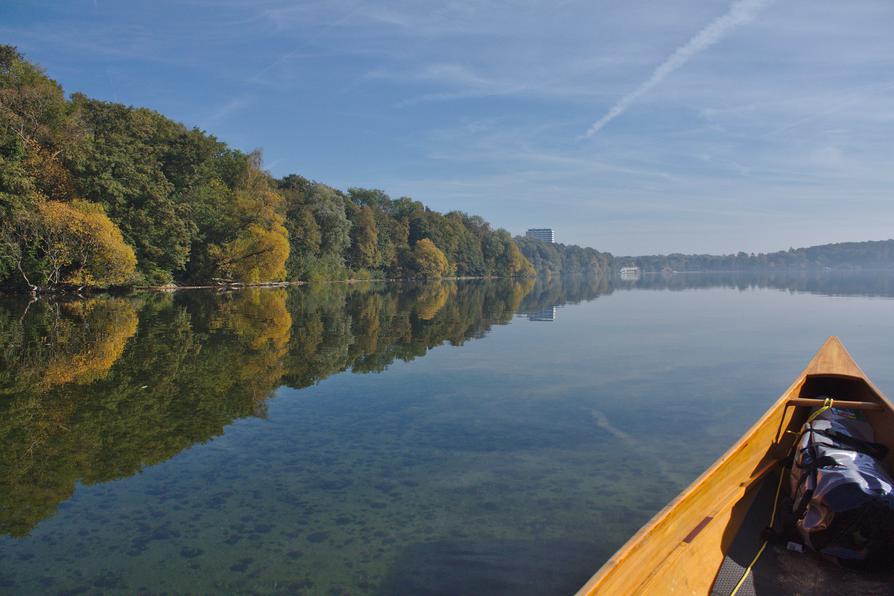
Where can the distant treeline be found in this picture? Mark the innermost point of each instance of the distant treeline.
(844, 255)
(94, 193)
(563, 259)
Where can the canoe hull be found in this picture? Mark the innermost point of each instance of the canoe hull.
(680, 550)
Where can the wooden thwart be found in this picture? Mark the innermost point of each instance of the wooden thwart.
(843, 404)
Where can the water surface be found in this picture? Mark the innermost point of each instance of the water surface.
(478, 437)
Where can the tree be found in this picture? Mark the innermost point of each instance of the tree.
(515, 263)
(560, 259)
(334, 225)
(428, 260)
(79, 244)
(191, 207)
(370, 197)
(257, 254)
(365, 240)
(304, 237)
(121, 166)
(257, 243)
(328, 208)
(72, 243)
(102, 257)
(32, 103)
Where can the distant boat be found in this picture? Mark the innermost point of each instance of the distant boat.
(704, 541)
(630, 273)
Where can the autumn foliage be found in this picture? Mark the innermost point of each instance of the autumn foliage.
(94, 193)
(86, 244)
(428, 260)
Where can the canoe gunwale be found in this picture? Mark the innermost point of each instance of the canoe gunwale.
(654, 525)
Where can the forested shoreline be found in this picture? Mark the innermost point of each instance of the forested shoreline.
(561, 259)
(99, 194)
(868, 255)
(551, 258)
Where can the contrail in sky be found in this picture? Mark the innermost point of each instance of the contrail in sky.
(306, 42)
(739, 13)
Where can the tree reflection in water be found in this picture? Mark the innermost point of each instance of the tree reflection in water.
(98, 389)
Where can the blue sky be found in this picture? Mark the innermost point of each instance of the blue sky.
(633, 127)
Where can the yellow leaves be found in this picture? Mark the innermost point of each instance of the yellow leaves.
(429, 260)
(86, 347)
(364, 239)
(433, 299)
(259, 317)
(518, 264)
(80, 238)
(261, 321)
(257, 254)
(520, 289)
(258, 249)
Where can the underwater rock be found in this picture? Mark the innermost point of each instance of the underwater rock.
(109, 580)
(190, 552)
(318, 537)
(241, 565)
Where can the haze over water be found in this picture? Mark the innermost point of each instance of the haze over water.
(499, 437)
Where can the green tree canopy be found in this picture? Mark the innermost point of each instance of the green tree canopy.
(193, 209)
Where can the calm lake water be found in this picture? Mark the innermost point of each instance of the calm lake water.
(477, 437)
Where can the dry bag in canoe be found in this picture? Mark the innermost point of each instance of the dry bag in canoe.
(843, 498)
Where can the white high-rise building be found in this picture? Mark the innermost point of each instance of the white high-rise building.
(544, 234)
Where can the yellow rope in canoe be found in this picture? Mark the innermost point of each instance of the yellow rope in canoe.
(827, 404)
(764, 545)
